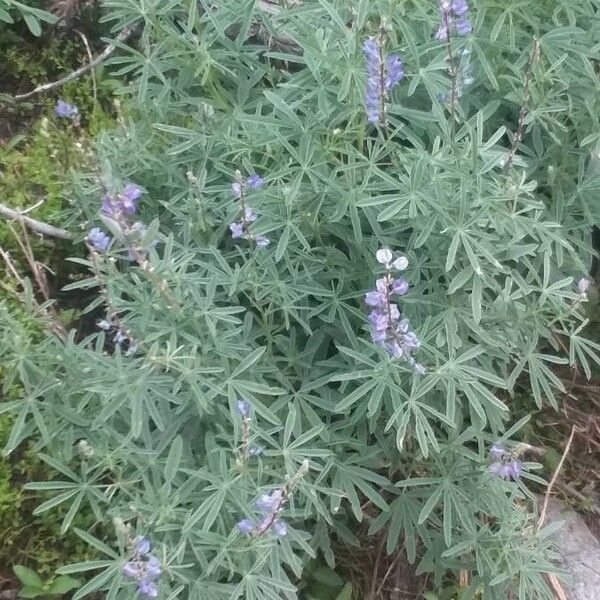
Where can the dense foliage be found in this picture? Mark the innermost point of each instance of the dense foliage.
(231, 377)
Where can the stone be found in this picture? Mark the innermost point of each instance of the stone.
(579, 552)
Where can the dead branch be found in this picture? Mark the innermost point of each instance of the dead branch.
(33, 224)
(124, 35)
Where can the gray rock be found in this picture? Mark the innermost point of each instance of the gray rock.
(579, 551)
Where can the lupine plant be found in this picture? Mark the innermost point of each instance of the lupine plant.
(428, 200)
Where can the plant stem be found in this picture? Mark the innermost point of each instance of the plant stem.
(535, 56)
(452, 69)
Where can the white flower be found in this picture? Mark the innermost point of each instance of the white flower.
(384, 256)
(400, 263)
(583, 285)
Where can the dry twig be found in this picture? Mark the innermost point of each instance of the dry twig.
(554, 478)
(124, 35)
(37, 226)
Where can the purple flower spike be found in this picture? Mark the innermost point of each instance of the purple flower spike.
(388, 328)
(246, 526)
(244, 408)
(64, 110)
(147, 588)
(98, 239)
(255, 181)
(453, 15)
(375, 91)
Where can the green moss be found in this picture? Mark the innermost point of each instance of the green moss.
(36, 157)
(27, 539)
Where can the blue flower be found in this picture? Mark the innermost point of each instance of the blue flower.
(132, 570)
(269, 503)
(463, 27)
(388, 328)
(395, 72)
(153, 567)
(129, 198)
(64, 110)
(236, 188)
(244, 408)
(147, 588)
(459, 7)
(400, 286)
(142, 546)
(280, 528)
(144, 568)
(255, 181)
(511, 469)
(454, 16)
(504, 464)
(497, 451)
(249, 215)
(382, 77)
(262, 241)
(237, 230)
(98, 239)
(246, 526)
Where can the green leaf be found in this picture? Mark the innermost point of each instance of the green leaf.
(248, 362)
(33, 24)
(346, 593)
(28, 577)
(451, 256)
(63, 584)
(173, 459)
(281, 105)
(31, 592)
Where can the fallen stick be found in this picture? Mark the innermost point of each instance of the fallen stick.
(126, 33)
(33, 224)
(554, 478)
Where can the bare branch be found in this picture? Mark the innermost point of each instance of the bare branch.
(554, 477)
(125, 34)
(37, 226)
(518, 137)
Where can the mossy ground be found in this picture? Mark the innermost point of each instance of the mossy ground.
(38, 152)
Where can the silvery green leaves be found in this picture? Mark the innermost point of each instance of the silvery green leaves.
(495, 261)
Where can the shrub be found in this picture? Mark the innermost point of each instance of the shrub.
(232, 407)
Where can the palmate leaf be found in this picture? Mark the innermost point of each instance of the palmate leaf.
(278, 90)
